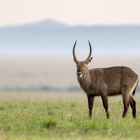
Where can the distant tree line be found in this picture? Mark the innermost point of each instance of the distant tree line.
(42, 88)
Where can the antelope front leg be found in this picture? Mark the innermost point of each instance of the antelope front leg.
(105, 104)
(90, 104)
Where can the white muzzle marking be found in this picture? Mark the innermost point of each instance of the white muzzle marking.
(79, 74)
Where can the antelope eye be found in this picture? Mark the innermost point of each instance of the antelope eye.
(84, 66)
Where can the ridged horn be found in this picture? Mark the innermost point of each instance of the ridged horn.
(74, 56)
(90, 53)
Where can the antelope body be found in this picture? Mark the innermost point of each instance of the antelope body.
(104, 82)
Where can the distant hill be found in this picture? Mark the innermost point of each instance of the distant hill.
(55, 37)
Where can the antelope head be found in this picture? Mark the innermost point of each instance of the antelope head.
(82, 65)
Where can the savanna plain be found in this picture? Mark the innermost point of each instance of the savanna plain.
(64, 116)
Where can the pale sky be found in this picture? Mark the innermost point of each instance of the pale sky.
(95, 12)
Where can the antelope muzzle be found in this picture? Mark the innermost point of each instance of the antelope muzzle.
(79, 72)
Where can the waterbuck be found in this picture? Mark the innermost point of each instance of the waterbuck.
(104, 82)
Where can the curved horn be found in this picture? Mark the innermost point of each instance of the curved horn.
(74, 56)
(90, 53)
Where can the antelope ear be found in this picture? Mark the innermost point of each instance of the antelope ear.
(89, 60)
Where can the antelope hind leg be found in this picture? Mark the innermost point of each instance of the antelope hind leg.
(133, 106)
(126, 101)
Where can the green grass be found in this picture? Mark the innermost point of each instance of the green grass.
(62, 120)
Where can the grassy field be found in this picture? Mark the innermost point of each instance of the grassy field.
(64, 117)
